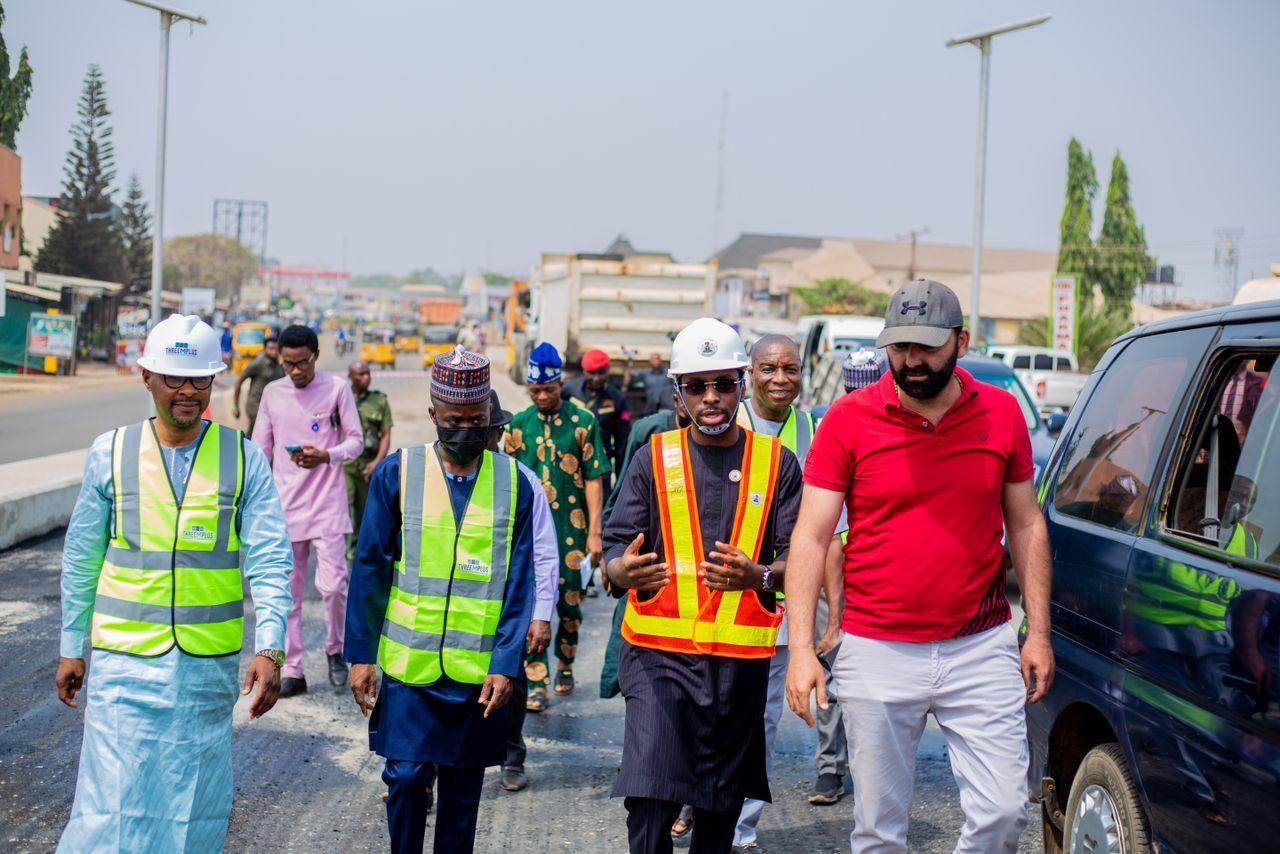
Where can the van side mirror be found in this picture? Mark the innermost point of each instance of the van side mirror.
(1055, 422)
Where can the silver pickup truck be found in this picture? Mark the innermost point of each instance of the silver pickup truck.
(1052, 376)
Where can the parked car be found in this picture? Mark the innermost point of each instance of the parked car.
(818, 334)
(1052, 376)
(827, 386)
(1162, 496)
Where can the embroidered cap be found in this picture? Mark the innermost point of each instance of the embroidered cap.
(862, 368)
(460, 377)
(544, 365)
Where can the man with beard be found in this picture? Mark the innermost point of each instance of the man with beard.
(308, 426)
(261, 372)
(698, 539)
(441, 597)
(170, 510)
(933, 466)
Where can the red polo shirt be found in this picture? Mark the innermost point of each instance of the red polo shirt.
(924, 560)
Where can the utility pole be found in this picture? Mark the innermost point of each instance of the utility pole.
(982, 41)
(167, 16)
(913, 234)
(1226, 257)
(719, 212)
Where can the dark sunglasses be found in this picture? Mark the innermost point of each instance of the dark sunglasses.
(722, 385)
(198, 383)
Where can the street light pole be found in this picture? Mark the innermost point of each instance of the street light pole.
(982, 41)
(167, 16)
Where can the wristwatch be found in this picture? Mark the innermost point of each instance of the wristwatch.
(768, 583)
(275, 656)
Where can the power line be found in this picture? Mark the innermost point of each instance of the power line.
(1226, 257)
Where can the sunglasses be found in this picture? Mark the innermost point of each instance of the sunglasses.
(722, 385)
(198, 383)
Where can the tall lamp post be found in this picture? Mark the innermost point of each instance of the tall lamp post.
(982, 41)
(167, 16)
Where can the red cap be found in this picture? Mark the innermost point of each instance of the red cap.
(595, 360)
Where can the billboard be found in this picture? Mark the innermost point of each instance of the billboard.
(51, 335)
(198, 301)
(1064, 312)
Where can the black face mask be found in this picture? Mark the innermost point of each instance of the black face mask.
(462, 444)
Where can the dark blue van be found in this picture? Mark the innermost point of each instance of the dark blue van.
(1162, 495)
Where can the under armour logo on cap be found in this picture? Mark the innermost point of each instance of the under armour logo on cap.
(917, 307)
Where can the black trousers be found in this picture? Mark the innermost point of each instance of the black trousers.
(649, 827)
(515, 723)
(457, 794)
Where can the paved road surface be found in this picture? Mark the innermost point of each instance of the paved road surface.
(305, 781)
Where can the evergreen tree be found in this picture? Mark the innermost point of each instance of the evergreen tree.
(1075, 250)
(134, 226)
(14, 92)
(85, 242)
(1122, 260)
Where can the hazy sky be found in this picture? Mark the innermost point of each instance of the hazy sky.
(470, 135)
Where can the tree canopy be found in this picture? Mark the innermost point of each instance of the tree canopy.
(14, 92)
(841, 296)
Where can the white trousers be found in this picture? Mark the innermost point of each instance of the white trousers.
(973, 687)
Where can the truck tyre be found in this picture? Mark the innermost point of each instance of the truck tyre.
(1104, 812)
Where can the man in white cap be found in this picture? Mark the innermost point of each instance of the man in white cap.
(698, 540)
(170, 510)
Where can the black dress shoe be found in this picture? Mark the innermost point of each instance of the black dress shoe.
(290, 687)
(513, 778)
(337, 670)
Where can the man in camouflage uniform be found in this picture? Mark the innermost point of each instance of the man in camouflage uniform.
(375, 424)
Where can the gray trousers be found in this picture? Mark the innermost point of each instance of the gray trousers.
(832, 756)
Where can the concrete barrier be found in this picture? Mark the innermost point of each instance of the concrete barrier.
(36, 496)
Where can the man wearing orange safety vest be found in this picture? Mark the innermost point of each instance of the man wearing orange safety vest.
(698, 540)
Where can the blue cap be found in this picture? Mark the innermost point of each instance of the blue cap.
(544, 365)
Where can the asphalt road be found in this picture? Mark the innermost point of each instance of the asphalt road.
(305, 780)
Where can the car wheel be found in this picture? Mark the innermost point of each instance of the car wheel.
(1104, 814)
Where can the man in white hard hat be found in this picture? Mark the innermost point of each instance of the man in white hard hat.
(698, 540)
(170, 510)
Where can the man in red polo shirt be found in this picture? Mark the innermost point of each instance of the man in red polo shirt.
(933, 465)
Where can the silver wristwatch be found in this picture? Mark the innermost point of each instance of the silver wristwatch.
(769, 581)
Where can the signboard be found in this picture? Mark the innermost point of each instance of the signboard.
(132, 322)
(127, 352)
(257, 296)
(52, 335)
(1064, 314)
(198, 301)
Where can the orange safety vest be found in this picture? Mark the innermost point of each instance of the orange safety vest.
(685, 616)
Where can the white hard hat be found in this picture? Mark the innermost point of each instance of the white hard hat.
(707, 344)
(183, 346)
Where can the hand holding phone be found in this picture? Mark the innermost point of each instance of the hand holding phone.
(293, 449)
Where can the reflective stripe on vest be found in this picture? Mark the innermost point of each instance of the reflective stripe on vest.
(796, 433)
(448, 586)
(685, 616)
(171, 573)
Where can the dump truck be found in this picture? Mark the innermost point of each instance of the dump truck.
(628, 308)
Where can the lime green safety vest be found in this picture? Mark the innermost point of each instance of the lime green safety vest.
(796, 433)
(1185, 596)
(171, 573)
(448, 585)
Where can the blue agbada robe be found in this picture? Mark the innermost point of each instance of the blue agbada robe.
(155, 766)
(440, 723)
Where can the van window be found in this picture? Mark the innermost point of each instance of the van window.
(1227, 490)
(1061, 364)
(1109, 459)
(1021, 363)
(1044, 362)
(818, 382)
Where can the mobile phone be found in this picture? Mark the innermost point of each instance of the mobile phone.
(293, 449)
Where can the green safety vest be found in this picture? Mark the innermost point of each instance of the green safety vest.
(448, 585)
(796, 433)
(171, 574)
(1186, 596)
